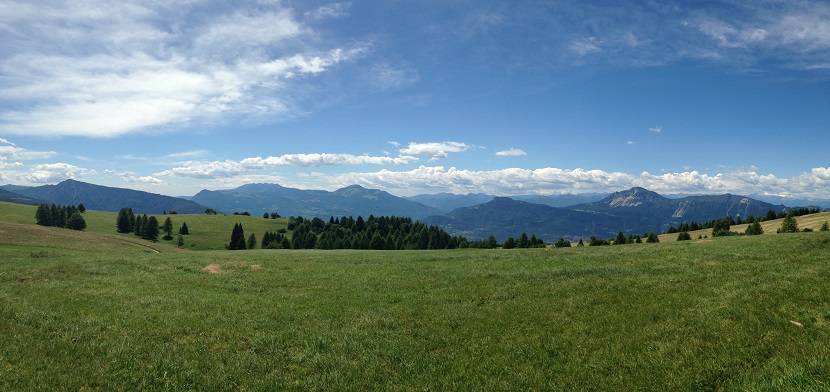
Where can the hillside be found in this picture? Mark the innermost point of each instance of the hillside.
(350, 201)
(207, 232)
(102, 198)
(634, 211)
(504, 217)
(737, 313)
(12, 197)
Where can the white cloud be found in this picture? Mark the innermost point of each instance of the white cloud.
(11, 151)
(110, 69)
(511, 152)
(434, 151)
(132, 178)
(656, 129)
(55, 172)
(516, 181)
(586, 46)
(228, 168)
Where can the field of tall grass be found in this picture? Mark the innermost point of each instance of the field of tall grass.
(97, 311)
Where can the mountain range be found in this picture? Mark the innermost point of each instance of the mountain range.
(475, 216)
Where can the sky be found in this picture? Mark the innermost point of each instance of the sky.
(418, 97)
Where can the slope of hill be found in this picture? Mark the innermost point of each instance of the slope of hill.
(350, 201)
(102, 198)
(504, 217)
(12, 197)
(641, 209)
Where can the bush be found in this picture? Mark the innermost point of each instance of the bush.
(754, 229)
(684, 236)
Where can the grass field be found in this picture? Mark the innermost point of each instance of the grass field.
(95, 311)
(207, 232)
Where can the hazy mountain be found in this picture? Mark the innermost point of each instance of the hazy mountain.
(561, 200)
(350, 201)
(635, 211)
(504, 217)
(643, 208)
(12, 197)
(449, 201)
(102, 198)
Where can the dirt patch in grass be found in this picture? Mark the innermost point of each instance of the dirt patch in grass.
(214, 269)
(256, 267)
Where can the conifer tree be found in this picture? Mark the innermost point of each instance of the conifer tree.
(76, 222)
(251, 241)
(184, 230)
(620, 240)
(151, 229)
(789, 224)
(167, 228)
(122, 222)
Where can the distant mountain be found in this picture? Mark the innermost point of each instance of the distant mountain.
(449, 201)
(102, 198)
(561, 200)
(642, 209)
(350, 201)
(635, 211)
(12, 197)
(504, 217)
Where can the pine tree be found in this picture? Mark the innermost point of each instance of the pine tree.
(754, 229)
(167, 228)
(789, 224)
(180, 242)
(81, 208)
(620, 240)
(122, 222)
(76, 222)
(43, 215)
(825, 226)
(252, 241)
(151, 229)
(184, 230)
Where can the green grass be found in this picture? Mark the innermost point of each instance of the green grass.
(207, 232)
(737, 313)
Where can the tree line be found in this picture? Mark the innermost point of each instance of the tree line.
(68, 217)
(374, 233)
(147, 228)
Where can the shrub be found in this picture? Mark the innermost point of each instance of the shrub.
(684, 236)
(754, 229)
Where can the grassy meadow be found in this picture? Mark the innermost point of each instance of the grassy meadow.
(99, 311)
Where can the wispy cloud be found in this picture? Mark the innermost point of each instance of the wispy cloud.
(333, 10)
(656, 129)
(228, 168)
(153, 65)
(511, 152)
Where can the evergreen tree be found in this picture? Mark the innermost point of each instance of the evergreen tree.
(184, 230)
(562, 243)
(825, 226)
(122, 222)
(754, 229)
(151, 229)
(138, 228)
(76, 222)
(652, 238)
(180, 242)
(684, 236)
(252, 241)
(167, 228)
(580, 243)
(509, 243)
(789, 224)
(81, 208)
(237, 238)
(43, 215)
(620, 240)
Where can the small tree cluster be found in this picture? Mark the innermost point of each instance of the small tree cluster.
(523, 242)
(237, 238)
(60, 216)
(275, 241)
(562, 243)
(684, 236)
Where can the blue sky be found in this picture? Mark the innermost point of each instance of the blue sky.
(506, 98)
